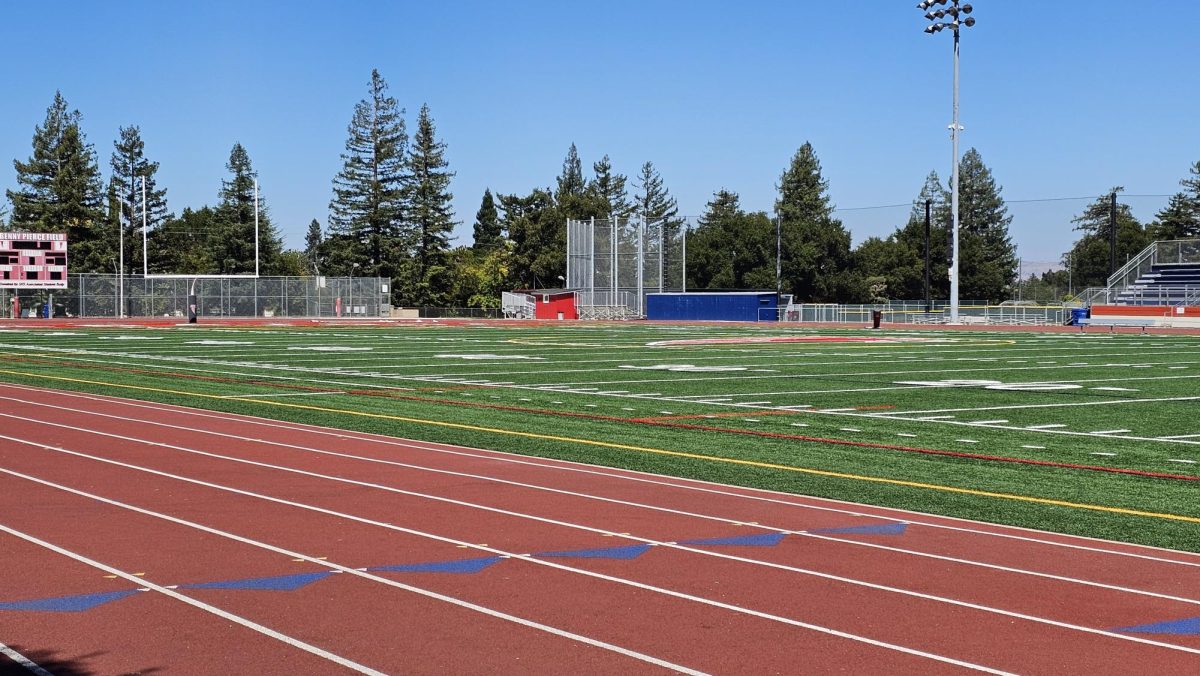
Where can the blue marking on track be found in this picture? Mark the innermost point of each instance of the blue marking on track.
(83, 602)
(626, 552)
(68, 604)
(1188, 626)
(463, 566)
(275, 583)
(756, 540)
(874, 529)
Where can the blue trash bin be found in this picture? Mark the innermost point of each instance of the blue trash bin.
(1078, 314)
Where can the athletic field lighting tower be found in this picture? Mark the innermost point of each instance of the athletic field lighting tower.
(950, 15)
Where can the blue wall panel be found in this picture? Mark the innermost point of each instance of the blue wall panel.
(730, 307)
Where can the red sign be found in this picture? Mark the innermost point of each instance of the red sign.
(33, 260)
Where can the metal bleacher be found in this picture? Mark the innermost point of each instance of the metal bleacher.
(1163, 284)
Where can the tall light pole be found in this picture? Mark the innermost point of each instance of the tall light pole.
(958, 18)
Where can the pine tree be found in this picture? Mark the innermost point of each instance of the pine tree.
(815, 246)
(1180, 219)
(233, 247)
(312, 245)
(129, 167)
(538, 234)
(988, 257)
(431, 214)
(370, 202)
(731, 249)
(570, 182)
(61, 188)
(903, 265)
(34, 203)
(572, 197)
(609, 189)
(657, 207)
(487, 224)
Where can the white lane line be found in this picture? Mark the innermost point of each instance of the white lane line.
(237, 619)
(988, 422)
(287, 394)
(904, 434)
(556, 522)
(1044, 427)
(930, 417)
(1188, 462)
(1115, 389)
(522, 557)
(967, 441)
(770, 497)
(23, 661)
(1104, 454)
(849, 429)
(341, 568)
(1039, 448)
(1121, 431)
(1182, 436)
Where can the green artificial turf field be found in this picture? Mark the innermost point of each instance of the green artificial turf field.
(956, 423)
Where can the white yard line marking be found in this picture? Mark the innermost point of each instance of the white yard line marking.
(1104, 454)
(23, 661)
(1189, 462)
(967, 441)
(903, 434)
(1182, 436)
(1045, 427)
(988, 422)
(1036, 448)
(695, 485)
(931, 417)
(552, 564)
(237, 619)
(1121, 431)
(282, 394)
(338, 567)
(1115, 389)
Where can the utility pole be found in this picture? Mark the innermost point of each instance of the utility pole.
(1112, 233)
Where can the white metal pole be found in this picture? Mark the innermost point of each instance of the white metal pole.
(641, 289)
(613, 278)
(662, 243)
(954, 258)
(145, 268)
(256, 227)
(121, 269)
(683, 255)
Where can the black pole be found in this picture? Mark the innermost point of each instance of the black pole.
(1112, 234)
(928, 300)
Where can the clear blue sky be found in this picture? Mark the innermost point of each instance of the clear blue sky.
(1062, 99)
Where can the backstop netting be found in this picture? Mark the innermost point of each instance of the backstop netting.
(95, 295)
(613, 263)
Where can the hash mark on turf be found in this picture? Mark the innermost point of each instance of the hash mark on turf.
(1036, 448)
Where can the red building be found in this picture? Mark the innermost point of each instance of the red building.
(553, 303)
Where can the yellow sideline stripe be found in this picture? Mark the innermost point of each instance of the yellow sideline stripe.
(639, 449)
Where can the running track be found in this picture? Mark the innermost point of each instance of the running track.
(137, 536)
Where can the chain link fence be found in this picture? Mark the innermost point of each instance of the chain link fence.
(93, 295)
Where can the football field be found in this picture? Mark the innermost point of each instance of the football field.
(1088, 434)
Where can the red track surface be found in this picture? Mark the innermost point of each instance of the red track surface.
(173, 496)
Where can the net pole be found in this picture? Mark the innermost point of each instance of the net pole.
(662, 243)
(145, 256)
(256, 227)
(683, 256)
(641, 264)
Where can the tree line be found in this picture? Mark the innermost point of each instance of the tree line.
(390, 216)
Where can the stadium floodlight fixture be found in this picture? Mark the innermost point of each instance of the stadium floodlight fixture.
(959, 18)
